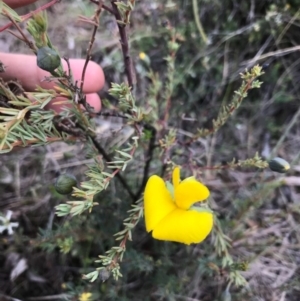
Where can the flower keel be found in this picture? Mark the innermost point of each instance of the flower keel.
(184, 226)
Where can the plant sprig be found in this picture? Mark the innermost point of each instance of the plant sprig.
(110, 261)
(249, 82)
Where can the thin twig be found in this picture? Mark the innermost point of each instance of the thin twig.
(163, 169)
(27, 16)
(95, 18)
(149, 157)
(219, 122)
(285, 134)
(117, 174)
(133, 221)
(24, 38)
(276, 53)
(170, 77)
(124, 44)
(79, 94)
(69, 67)
(36, 140)
(198, 22)
(105, 7)
(112, 114)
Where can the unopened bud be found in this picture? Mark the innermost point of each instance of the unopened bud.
(48, 59)
(279, 165)
(41, 22)
(64, 183)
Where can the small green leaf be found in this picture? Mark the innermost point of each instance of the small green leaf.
(170, 187)
(201, 209)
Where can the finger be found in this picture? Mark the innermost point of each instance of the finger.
(93, 100)
(94, 76)
(25, 69)
(18, 3)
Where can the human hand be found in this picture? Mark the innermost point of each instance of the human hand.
(25, 69)
(18, 3)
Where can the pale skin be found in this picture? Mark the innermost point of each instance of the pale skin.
(24, 68)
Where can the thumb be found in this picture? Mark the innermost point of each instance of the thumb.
(18, 3)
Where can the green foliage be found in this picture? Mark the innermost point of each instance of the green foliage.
(249, 82)
(205, 60)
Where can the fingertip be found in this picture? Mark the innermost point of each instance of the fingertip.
(94, 101)
(24, 68)
(94, 76)
(18, 3)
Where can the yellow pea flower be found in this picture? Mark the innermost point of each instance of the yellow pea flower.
(169, 210)
(85, 296)
(142, 55)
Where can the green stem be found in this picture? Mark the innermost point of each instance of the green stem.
(198, 22)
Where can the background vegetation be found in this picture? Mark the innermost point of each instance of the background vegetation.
(254, 250)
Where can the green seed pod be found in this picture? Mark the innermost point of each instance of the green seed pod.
(279, 165)
(64, 183)
(48, 59)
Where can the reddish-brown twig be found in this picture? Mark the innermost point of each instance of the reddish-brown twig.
(116, 172)
(123, 37)
(95, 22)
(27, 16)
(23, 38)
(34, 141)
(105, 7)
(124, 44)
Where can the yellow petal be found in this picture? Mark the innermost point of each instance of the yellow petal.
(158, 202)
(184, 226)
(190, 191)
(176, 176)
